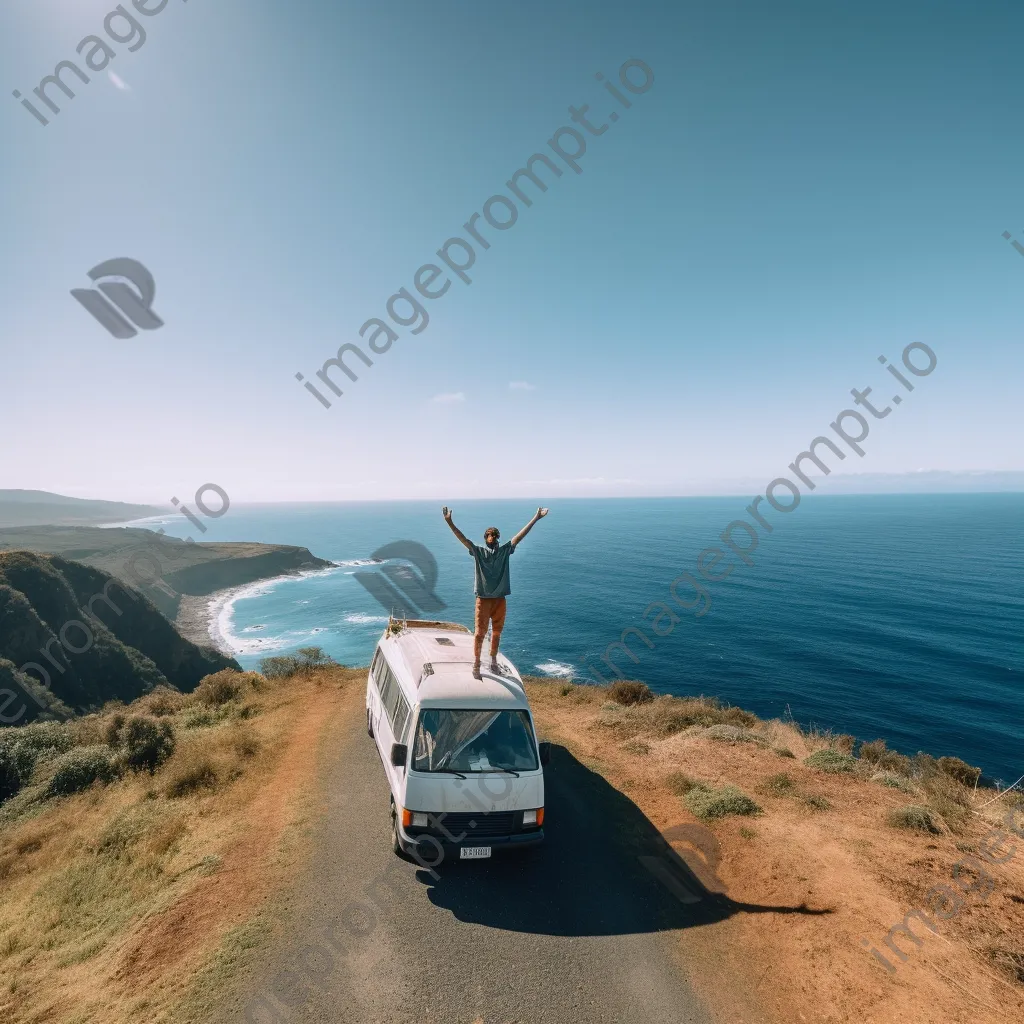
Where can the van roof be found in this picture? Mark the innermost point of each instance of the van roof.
(436, 666)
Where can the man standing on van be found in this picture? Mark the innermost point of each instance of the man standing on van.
(492, 582)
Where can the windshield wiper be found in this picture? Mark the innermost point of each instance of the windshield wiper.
(495, 768)
(450, 771)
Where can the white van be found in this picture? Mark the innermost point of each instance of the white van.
(461, 754)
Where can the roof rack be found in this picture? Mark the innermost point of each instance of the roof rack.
(398, 625)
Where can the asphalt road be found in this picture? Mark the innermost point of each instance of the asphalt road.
(577, 930)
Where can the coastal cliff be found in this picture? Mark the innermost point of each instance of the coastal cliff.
(164, 568)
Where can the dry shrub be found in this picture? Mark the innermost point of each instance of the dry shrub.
(112, 729)
(818, 739)
(680, 783)
(220, 687)
(211, 760)
(666, 716)
(915, 817)
(160, 702)
(893, 780)
(244, 742)
(637, 747)
(818, 803)
(781, 784)
(192, 772)
(884, 759)
(1009, 961)
(960, 771)
(828, 759)
(163, 837)
(629, 692)
(124, 831)
(88, 731)
(733, 734)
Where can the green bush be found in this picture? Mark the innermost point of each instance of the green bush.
(23, 747)
(282, 666)
(10, 776)
(915, 818)
(832, 761)
(78, 769)
(314, 657)
(628, 692)
(146, 742)
(818, 803)
(279, 667)
(45, 738)
(708, 804)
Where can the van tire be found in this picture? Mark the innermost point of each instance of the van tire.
(369, 723)
(396, 846)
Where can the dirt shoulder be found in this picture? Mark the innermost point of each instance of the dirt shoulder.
(822, 842)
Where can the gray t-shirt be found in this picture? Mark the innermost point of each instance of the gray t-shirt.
(492, 570)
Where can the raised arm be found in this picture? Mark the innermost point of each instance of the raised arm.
(540, 514)
(463, 539)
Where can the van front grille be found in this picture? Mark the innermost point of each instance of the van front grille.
(475, 825)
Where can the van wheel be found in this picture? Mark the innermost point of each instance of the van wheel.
(369, 723)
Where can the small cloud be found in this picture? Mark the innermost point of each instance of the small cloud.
(119, 82)
(520, 385)
(449, 398)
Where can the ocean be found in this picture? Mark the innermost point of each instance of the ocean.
(895, 616)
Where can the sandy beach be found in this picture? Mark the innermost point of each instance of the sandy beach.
(197, 619)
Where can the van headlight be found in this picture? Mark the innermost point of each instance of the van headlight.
(534, 817)
(419, 819)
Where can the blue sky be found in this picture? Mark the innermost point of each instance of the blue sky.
(806, 186)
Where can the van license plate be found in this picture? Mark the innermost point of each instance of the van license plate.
(474, 852)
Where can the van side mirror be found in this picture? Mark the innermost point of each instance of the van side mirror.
(399, 754)
(545, 753)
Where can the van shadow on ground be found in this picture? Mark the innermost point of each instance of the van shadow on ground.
(587, 877)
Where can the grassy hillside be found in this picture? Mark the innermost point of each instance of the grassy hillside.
(34, 508)
(137, 861)
(95, 639)
(164, 568)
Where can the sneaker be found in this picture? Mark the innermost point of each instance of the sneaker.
(495, 668)
(476, 671)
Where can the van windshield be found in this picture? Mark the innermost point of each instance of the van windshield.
(473, 741)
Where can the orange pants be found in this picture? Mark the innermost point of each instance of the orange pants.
(488, 610)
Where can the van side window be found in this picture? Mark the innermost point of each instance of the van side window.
(401, 717)
(391, 693)
(375, 666)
